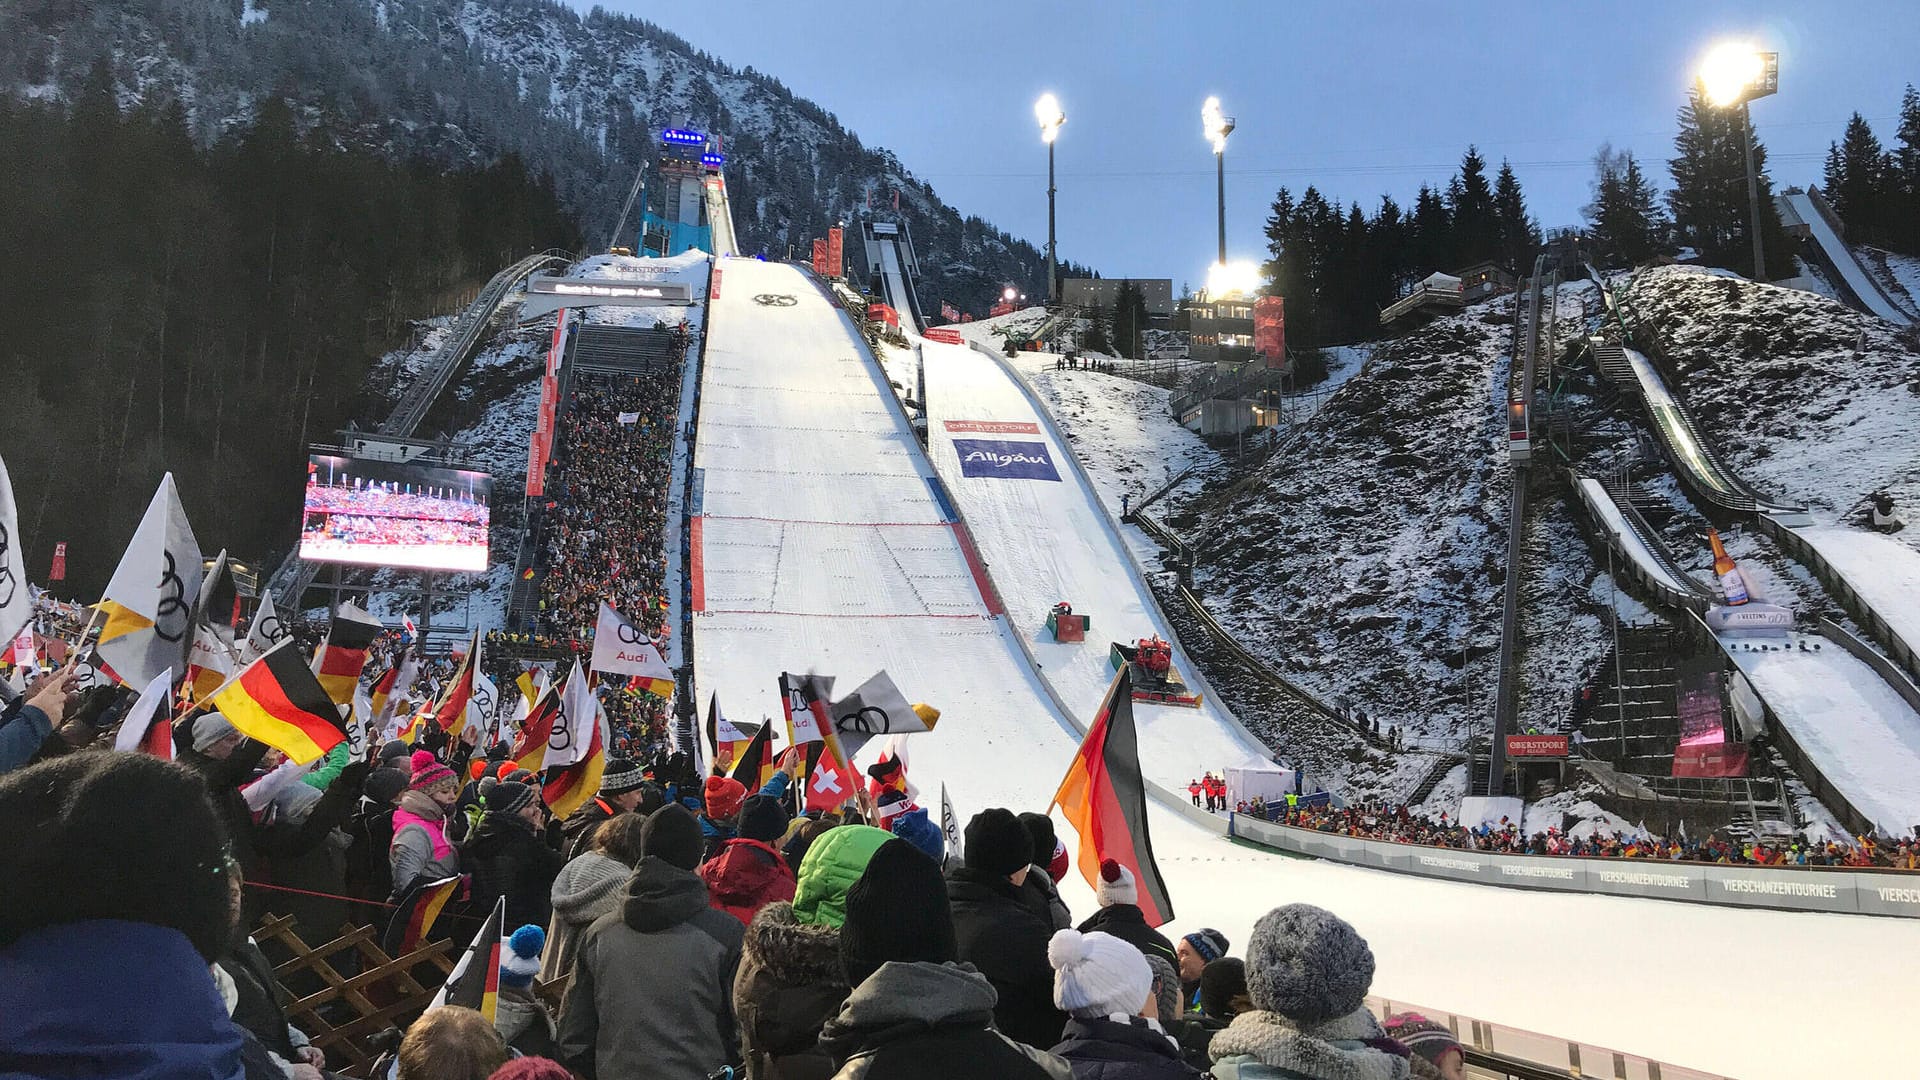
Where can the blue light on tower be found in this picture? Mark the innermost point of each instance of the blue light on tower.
(682, 137)
(713, 161)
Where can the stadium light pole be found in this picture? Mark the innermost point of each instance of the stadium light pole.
(1736, 74)
(1047, 112)
(1217, 127)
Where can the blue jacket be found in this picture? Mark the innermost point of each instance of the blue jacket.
(21, 736)
(104, 998)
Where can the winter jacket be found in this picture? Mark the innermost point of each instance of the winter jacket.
(746, 876)
(369, 870)
(652, 987)
(21, 736)
(832, 864)
(1043, 896)
(1262, 1045)
(108, 998)
(224, 777)
(1006, 940)
(1194, 1032)
(580, 828)
(1128, 923)
(587, 887)
(524, 1023)
(929, 1022)
(1121, 1048)
(507, 858)
(420, 849)
(790, 983)
(257, 994)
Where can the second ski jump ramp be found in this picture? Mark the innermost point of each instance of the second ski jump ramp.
(1865, 290)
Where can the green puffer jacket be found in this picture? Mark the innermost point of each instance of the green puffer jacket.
(833, 863)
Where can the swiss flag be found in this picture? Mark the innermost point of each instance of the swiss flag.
(831, 783)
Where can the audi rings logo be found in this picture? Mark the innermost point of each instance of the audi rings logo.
(171, 617)
(270, 630)
(560, 737)
(8, 586)
(483, 697)
(867, 720)
(629, 634)
(774, 299)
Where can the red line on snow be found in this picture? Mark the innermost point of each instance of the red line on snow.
(699, 567)
(978, 570)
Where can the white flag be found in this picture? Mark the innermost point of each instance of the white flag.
(806, 700)
(146, 708)
(264, 632)
(619, 648)
(24, 658)
(876, 707)
(573, 725)
(360, 722)
(629, 417)
(950, 824)
(486, 697)
(150, 600)
(16, 604)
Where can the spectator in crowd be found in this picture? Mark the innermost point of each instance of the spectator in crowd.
(1191, 1031)
(369, 869)
(421, 850)
(1223, 990)
(1195, 951)
(1119, 897)
(1308, 973)
(677, 1023)
(914, 1012)
(592, 884)
(1050, 864)
(791, 981)
(1113, 1031)
(916, 827)
(748, 872)
(225, 759)
(520, 1016)
(998, 930)
(29, 719)
(1437, 1055)
(721, 796)
(508, 855)
(451, 1043)
(113, 857)
(622, 785)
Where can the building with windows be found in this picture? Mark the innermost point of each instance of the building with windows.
(1221, 331)
(1102, 292)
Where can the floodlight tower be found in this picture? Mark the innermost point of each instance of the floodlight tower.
(1217, 127)
(1735, 74)
(1047, 112)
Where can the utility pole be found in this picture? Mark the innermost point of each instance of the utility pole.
(1753, 196)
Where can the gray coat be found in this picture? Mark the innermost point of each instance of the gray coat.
(652, 989)
(1267, 1046)
(923, 1021)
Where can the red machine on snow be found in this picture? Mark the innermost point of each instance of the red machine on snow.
(1154, 679)
(1065, 625)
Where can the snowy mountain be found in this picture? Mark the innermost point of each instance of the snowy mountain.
(579, 97)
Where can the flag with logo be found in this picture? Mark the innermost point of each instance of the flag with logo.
(147, 726)
(876, 707)
(343, 657)
(450, 708)
(831, 781)
(475, 980)
(264, 632)
(212, 658)
(391, 687)
(576, 747)
(148, 608)
(16, 604)
(620, 648)
(1105, 800)
(277, 700)
(725, 738)
(950, 825)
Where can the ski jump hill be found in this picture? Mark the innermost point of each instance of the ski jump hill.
(826, 539)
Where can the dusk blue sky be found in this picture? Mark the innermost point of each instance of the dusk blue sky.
(1357, 98)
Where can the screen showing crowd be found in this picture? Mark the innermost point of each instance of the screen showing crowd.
(383, 513)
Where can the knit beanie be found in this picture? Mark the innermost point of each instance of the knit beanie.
(1307, 964)
(1221, 981)
(723, 796)
(531, 1068)
(621, 776)
(1211, 944)
(520, 960)
(897, 911)
(918, 829)
(427, 771)
(1429, 1039)
(1167, 989)
(651, 798)
(384, 785)
(672, 835)
(504, 769)
(1097, 974)
(510, 797)
(997, 843)
(114, 836)
(210, 729)
(394, 751)
(763, 818)
(1040, 829)
(1116, 885)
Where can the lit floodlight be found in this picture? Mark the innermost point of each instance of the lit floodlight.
(1047, 112)
(1233, 278)
(1731, 72)
(1009, 294)
(1216, 126)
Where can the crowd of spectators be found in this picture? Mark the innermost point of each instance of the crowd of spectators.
(1401, 825)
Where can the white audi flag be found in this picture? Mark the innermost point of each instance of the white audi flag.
(620, 648)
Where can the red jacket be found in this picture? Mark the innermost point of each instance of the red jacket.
(746, 876)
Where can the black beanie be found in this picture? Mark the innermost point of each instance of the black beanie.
(114, 836)
(1220, 982)
(510, 796)
(385, 785)
(1040, 830)
(997, 843)
(897, 911)
(672, 835)
(762, 818)
(394, 750)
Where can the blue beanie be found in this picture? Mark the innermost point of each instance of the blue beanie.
(916, 828)
(520, 961)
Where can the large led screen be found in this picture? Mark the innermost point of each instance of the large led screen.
(383, 513)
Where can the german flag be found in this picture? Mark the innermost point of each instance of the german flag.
(529, 750)
(344, 656)
(278, 701)
(754, 766)
(414, 916)
(568, 788)
(1105, 800)
(475, 982)
(450, 712)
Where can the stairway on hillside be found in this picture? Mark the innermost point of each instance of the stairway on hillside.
(1635, 720)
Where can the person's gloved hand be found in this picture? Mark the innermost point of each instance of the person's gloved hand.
(353, 776)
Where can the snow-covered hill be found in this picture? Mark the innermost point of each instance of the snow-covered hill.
(580, 97)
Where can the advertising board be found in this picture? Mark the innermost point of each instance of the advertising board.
(383, 513)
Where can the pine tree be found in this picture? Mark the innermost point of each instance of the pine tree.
(1856, 181)
(1476, 226)
(1519, 234)
(1709, 197)
(1904, 226)
(1129, 320)
(1430, 233)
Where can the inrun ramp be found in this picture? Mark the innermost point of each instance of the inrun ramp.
(1858, 282)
